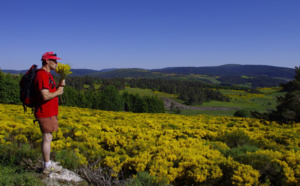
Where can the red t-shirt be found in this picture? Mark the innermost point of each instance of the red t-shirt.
(44, 80)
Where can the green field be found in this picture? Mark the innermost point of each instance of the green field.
(209, 112)
(148, 92)
(238, 99)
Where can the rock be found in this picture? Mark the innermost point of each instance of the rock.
(65, 177)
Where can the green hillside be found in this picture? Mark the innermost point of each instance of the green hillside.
(233, 70)
(239, 99)
(241, 75)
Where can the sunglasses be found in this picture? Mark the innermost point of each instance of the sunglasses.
(53, 60)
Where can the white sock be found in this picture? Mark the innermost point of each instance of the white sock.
(46, 164)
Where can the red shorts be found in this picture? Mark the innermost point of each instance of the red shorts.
(48, 124)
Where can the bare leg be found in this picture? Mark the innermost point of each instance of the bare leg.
(46, 146)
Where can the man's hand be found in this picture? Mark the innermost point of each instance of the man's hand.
(62, 83)
(60, 90)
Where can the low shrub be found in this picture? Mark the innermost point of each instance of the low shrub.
(68, 159)
(242, 113)
(145, 179)
(14, 154)
(10, 175)
(240, 151)
(236, 138)
(269, 169)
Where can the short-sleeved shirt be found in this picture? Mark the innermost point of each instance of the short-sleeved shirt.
(49, 108)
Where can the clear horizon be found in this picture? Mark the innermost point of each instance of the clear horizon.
(150, 34)
(153, 68)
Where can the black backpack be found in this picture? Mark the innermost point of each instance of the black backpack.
(27, 92)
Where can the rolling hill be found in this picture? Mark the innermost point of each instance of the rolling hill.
(230, 74)
(233, 70)
(224, 70)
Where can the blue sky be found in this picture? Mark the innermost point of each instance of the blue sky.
(149, 34)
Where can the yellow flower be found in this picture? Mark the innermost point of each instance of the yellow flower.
(63, 70)
(173, 147)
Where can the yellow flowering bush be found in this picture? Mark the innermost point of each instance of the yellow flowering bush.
(63, 70)
(182, 149)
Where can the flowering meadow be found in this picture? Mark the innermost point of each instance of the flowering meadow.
(199, 150)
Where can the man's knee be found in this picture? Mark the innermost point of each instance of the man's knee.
(47, 137)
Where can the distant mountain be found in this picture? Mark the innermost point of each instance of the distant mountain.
(223, 70)
(108, 69)
(230, 74)
(75, 72)
(241, 75)
(14, 71)
(233, 70)
(126, 73)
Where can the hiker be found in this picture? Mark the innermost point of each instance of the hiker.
(46, 110)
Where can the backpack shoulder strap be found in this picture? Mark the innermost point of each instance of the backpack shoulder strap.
(49, 74)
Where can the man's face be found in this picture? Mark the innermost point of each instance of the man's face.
(52, 63)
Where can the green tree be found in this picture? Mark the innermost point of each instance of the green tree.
(70, 97)
(288, 108)
(127, 102)
(93, 98)
(241, 113)
(83, 102)
(110, 99)
(154, 104)
(138, 104)
(9, 88)
(1, 86)
(177, 110)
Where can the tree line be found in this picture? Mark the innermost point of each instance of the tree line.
(85, 91)
(258, 81)
(109, 98)
(79, 93)
(9, 88)
(191, 92)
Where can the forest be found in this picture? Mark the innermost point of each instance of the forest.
(99, 93)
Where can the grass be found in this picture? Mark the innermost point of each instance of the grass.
(14, 175)
(147, 92)
(254, 102)
(238, 99)
(209, 112)
(212, 79)
(13, 168)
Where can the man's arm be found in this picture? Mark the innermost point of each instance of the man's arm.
(46, 95)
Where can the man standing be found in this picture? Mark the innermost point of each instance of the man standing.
(46, 110)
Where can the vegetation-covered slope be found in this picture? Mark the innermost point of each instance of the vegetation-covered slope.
(245, 75)
(181, 149)
(233, 70)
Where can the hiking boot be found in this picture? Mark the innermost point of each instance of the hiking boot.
(53, 167)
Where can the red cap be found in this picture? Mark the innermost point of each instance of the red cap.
(49, 55)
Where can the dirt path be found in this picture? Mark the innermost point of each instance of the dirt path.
(168, 103)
